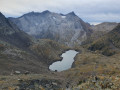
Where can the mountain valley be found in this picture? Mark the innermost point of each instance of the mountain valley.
(32, 42)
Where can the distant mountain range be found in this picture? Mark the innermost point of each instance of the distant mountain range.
(67, 29)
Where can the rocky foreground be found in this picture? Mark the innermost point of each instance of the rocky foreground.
(45, 82)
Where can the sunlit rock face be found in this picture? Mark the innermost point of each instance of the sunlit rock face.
(68, 29)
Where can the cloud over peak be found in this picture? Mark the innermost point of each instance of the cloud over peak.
(88, 10)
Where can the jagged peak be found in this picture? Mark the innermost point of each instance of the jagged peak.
(37, 13)
(1, 14)
(2, 17)
(31, 13)
(62, 14)
(71, 13)
(46, 11)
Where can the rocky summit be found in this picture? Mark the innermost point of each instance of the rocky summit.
(67, 29)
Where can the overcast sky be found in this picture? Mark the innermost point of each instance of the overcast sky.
(92, 11)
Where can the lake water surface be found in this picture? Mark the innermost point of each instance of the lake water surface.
(66, 63)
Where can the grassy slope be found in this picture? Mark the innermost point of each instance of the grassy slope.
(87, 65)
(45, 52)
(40, 55)
(90, 64)
(102, 60)
(49, 50)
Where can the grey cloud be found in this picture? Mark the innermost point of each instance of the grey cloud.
(88, 10)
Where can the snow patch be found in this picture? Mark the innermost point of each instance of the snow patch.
(54, 17)
(63, 16)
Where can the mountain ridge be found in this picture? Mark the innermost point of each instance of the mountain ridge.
(109, 43)
(11, 34)
(67, 29)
